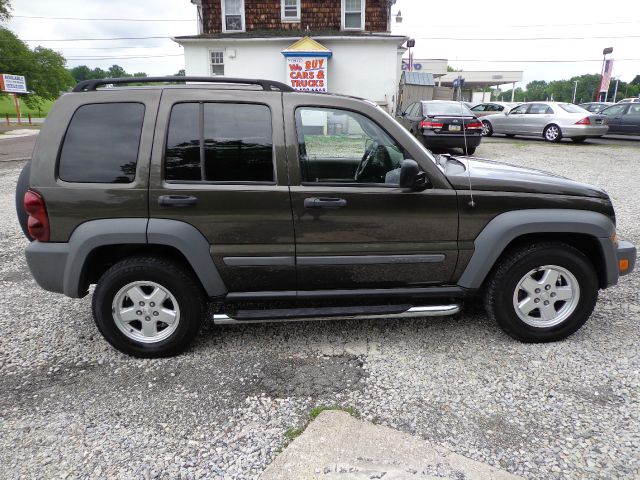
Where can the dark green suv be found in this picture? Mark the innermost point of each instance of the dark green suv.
(245, 201)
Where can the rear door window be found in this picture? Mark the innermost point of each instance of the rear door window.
(101, 144)
(219, 142)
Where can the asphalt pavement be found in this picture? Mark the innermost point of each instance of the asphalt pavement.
(16, 147)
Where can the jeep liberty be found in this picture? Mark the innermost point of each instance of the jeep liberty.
(244, 201)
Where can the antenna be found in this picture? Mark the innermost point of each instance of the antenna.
(464, 135)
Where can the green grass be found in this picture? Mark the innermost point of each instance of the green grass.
(294, 432)
(7, 106)
(315, 411)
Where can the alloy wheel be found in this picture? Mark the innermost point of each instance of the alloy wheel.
(546, 296)
(145, 312)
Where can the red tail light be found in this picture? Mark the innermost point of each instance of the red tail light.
(38, 222)
(584, 121)
(474, 126)
(431, 124)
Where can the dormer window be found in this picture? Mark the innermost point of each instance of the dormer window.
(353, 14)
(290, 10)
(233, 15)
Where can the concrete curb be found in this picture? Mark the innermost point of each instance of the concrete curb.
(336, 446)
(7, 160)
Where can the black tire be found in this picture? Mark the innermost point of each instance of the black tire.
(578, 139)
(546, 134)
(487, 129)
(502, 285)
(21, 187)
(171, 276)
(469, 150)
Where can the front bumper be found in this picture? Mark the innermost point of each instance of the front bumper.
(626, 253)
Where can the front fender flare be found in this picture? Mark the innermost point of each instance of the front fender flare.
(506, 227)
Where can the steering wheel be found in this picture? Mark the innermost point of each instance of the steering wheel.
(368, 156)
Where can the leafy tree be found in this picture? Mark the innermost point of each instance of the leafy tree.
(116, 71)
(181, 73)
(636, 80)
(5, 10)
(43, 68)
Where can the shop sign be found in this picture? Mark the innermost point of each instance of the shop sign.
(307, 74)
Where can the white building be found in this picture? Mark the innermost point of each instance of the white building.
(259, 39)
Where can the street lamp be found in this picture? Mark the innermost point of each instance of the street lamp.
(605, 52)
(575, 88)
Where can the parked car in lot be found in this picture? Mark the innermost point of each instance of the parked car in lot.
(551, 120)
(253, 202)
(492, 107)
(443, 124)
(630, 100)
(623, 118)
(595, 107)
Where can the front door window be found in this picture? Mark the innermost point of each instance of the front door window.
(344, 147)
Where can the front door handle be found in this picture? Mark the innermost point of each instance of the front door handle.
(324, 202)
(176, 200)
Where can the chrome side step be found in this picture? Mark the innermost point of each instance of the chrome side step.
(412, 312)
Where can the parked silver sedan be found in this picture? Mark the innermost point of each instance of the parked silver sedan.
(551, 120)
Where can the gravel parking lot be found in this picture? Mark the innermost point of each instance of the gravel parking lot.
(71, 406)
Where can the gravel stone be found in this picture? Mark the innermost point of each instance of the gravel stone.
(71, 406)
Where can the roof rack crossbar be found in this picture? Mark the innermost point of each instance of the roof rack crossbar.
(267, 85)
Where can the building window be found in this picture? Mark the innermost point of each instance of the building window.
(233, 15)
(290, 10)
(217, 62)
(353, 14)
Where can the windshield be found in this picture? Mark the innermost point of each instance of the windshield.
(571, 108)
(446, 108)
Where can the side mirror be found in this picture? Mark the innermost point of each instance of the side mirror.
(411, 177)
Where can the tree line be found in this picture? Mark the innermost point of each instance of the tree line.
(562, 90)
(45, 69)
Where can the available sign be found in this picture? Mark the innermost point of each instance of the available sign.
(307, 74)
(12, 83)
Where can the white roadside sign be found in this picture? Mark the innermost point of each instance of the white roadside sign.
(12, 83)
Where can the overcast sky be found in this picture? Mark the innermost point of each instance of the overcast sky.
(434, 25)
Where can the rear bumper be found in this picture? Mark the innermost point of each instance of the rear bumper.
(585, 131)
(47, 262)
(451, 140)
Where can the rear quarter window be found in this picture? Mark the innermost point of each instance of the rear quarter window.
(101, 144)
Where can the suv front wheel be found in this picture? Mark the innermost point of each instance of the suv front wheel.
(543, 292)
(148, 307)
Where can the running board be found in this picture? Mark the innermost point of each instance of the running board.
(344, 313)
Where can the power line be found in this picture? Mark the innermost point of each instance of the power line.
(106, 58)
(109, 19)
(547, 61)
(523, 26)
(417, 38)
(524, 38)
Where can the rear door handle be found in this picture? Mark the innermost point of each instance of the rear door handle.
(324, 202)
(176, 200)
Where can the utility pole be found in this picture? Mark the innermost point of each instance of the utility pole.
(575, 89)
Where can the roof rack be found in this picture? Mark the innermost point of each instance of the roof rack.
(267, 85)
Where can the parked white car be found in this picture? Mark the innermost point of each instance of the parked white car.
(630, 100)
(551, 120)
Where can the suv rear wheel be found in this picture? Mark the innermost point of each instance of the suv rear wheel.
(148, 307)
(542, 292)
